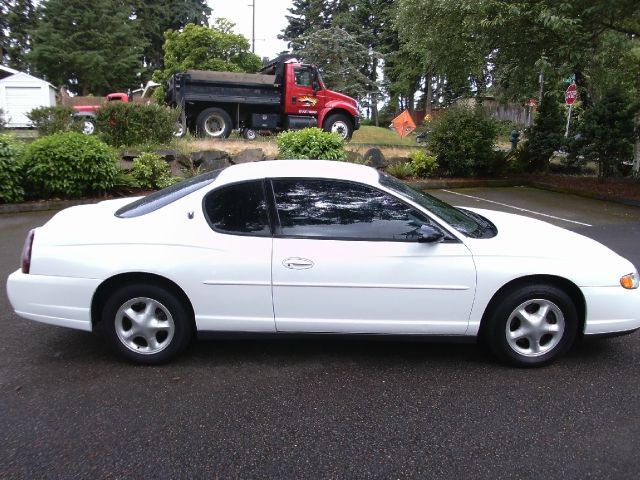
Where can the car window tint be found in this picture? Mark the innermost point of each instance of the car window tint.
(343, 210)
(238, 209)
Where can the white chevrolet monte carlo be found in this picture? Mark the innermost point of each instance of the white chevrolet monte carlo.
(309, 246)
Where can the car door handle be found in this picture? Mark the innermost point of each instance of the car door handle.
(296, 263)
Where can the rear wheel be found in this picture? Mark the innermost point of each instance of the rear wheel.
(146, 323)
(249, 134)
(214, 123)
(532, 325)
(88, 125)
(340, 124)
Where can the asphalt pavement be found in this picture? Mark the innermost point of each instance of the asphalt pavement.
(325, 408)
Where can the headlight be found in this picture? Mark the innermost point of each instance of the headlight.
(629, 281)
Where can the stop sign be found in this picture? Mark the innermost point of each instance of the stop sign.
(571, 94)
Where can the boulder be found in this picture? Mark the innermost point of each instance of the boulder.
(249, 155)
(375, 158)
(210, 160)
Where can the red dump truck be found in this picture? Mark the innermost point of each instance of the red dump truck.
(285, 95)
(87, 113)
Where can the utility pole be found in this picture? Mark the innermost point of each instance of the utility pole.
(253, 27)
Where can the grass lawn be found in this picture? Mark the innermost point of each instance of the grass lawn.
(370, 135)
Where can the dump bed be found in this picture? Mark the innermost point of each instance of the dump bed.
(222, 87)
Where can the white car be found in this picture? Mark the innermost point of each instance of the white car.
(309, 246)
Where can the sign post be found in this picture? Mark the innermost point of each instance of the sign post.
(570, 96)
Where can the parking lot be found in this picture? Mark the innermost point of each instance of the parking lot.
(326, 408)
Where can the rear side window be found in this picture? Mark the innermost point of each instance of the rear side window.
(168, 195)
(239, 209)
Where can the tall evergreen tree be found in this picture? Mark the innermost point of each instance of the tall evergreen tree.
(17, 19)
(154, 17)
(91, 47)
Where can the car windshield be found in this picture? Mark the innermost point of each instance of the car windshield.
(163, 197)
(462, 221)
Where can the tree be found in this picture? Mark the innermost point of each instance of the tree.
(18, 18)
(545, 136)
(307, 16)
(217, 48)
(90, 47)
(608, 131)
(339, 57)
(153, 18)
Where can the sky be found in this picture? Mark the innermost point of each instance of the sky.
(270, 21)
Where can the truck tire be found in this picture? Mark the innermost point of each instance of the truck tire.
(214, 123)
(88, 125)
(340, 124)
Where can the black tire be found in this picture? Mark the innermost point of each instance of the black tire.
(180, 128)
(340, 124)
(214, 123)
(169, 335)
(554, 318)
(88, 125)
(249, 134)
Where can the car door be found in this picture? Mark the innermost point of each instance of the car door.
(347, 258)
(233, 274)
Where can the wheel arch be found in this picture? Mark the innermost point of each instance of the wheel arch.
(565, 285)
(111, 284)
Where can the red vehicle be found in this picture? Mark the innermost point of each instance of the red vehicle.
(285, 95)
(88, 113)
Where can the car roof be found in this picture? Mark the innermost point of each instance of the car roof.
(300, 169)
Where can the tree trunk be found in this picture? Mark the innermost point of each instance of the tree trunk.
(429, 94)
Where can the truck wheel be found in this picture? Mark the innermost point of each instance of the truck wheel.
(249, 134)
(214, 123)
(180, 128)
(88, 125)
(340, 124)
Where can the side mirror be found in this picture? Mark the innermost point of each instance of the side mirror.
(430, 234)
(315, 85)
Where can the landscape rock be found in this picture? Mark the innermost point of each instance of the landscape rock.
(375, 158)
(249, 155)
(210, 160)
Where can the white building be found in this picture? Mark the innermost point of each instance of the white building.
(20, 93)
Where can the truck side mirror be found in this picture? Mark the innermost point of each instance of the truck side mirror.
(315, 85)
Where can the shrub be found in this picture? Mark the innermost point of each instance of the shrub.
(3, 120)
(49, 120)
(310, 143)
(422, 164)
(150, 170)
(126, 124)
(462, 140)
(400, 170)
(11, 189)
(69, 165)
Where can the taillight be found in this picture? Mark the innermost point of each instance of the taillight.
(26, 251)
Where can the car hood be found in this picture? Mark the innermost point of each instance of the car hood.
(526, 238)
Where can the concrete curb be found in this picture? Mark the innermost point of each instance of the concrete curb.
(45, 205)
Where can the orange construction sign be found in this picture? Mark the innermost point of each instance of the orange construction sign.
(404, 124)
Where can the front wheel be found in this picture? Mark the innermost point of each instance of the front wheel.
(214, 123)
(532, 326)
(340, 124)
(146, 323)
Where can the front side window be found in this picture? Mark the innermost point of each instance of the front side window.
(343, 210)
(239, 209)
(303, 76)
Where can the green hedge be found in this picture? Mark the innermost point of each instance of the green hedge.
(49, 120)
(150, 170)
(310, 143)
(11, 189)
(69, 165)
(126, 124)
(462, 139)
